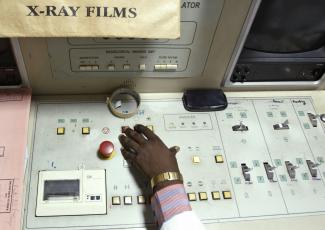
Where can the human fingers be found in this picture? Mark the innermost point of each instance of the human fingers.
(139, 138)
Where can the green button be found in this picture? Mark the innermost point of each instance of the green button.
(269, 114)
(237, 180)
(283, 114)
(233, 164)
(256, 163)
(306, 126)
(305, 176)
(277, 162)
(301, 113)
(243, 115)
(260, 179)
(283, 178)
(299, 161)
(229, 115)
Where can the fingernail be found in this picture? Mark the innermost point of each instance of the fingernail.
(177, 148)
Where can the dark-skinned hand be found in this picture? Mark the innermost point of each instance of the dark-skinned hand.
(144, 149)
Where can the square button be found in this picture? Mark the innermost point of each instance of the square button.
(126, 67)
(191, 196)
(116, 200)
(60, 131)
(150, 127)
(216, 195)
(226, 195)
(196, 159)
(128, 200)
(111, 67)
(142, 67)
(219, 159)
(203, 196)
(141, 200)
(85, 130)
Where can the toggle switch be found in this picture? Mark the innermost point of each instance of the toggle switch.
(291, 169)
(312, 119)
(245, 171)
(106, 150)
(281, 126)
(312, 168)
(269, 171)
(240, 128)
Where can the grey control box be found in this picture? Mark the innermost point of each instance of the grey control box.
(121, 57)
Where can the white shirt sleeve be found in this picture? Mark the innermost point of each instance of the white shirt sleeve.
(183, 221)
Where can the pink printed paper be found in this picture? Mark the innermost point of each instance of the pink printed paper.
(14, 114)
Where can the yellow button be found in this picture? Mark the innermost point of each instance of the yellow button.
(203, 196)
(226, 195)
(60, 131)
(141, 200)
(128, 200)
(219, 158)
(85, 130)
(191, 196)
(150, 127)
(196, 159)
(116, 200)
(215, 195)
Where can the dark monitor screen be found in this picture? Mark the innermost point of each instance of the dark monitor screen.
(288, 26)
(9, 73)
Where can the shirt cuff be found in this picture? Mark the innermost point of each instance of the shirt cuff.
(169, 202)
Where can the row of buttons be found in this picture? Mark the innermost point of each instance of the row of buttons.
(165, 67)
(218, 159)
(215, 195)
(84, 131)
(142, 67)
(116, 200)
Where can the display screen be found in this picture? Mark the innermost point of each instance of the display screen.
(9, 74)
(288, 26)
(61, 189)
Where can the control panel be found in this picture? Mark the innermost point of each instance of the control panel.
(261, 158)
(121, 57)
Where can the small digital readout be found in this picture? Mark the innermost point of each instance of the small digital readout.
(61, 189)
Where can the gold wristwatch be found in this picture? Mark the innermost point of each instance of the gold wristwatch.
(167, 176)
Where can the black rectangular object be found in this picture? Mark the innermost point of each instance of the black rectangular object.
(61, 188)
(204, 100)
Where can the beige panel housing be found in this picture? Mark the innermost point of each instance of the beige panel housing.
(233, 18)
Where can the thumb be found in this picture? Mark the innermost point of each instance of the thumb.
(175, 149)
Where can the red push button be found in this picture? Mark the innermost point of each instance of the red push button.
(106, 150)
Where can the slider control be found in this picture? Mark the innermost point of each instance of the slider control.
(312, 119)
(282, 126)
(245, 171)
(291, 169)
(269, 171)
(240, 128)
(312, 168)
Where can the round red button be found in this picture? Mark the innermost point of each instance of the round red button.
(106, 149)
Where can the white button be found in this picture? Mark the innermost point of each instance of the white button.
(172, 67)
(160, 67)
(128, 200)
(111, 67)
(126, 67)
(142, 67)
(95, 67)
(85, 67)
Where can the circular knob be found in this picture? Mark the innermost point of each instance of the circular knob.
(106, 150)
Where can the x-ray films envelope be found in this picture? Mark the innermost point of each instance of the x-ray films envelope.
(89, 18)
